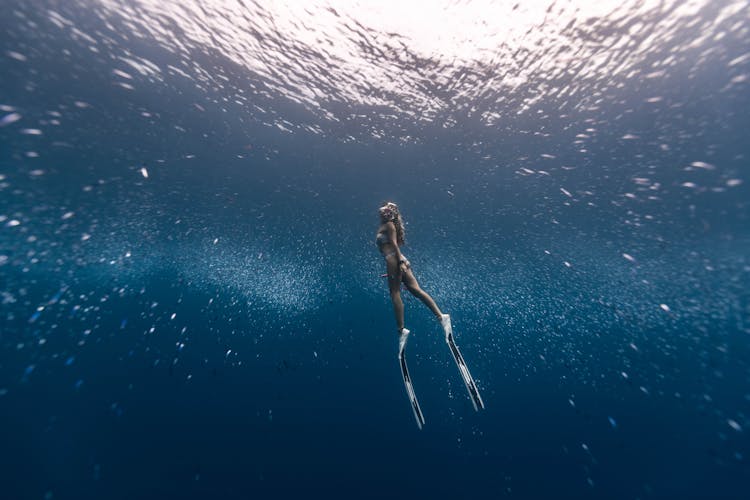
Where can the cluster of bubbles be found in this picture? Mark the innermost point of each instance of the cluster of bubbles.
(283, 282)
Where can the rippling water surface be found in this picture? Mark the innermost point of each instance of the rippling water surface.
(190, 301)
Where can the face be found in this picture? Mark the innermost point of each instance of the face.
(386, 212)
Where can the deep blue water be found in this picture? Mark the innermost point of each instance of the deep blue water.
(190, 300)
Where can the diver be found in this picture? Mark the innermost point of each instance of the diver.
(390, 235)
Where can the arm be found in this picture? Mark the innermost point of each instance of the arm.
(392, 238)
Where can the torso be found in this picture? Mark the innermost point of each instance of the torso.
(381, 239)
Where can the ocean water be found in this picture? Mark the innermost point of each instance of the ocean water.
(190, 294)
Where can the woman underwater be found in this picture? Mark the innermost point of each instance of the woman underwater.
(390, 235)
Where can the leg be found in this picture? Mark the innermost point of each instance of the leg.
(394, 285)
(411, 284)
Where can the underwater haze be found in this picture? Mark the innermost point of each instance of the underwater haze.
(191, 300)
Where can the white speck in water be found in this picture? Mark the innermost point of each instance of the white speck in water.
(8, 119)
(665, 307)
(734, 182)
(703, 165)
(734, 425)
(121, 74)
(628, 257)
(16, 55)
(739, 59)
(144, 172)
(30, 131)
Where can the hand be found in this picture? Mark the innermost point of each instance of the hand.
(404, 266)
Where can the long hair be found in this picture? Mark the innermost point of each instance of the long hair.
(398, 221)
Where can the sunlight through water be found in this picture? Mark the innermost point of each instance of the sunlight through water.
(435, 61)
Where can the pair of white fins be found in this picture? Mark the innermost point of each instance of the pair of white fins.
(476, 399)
